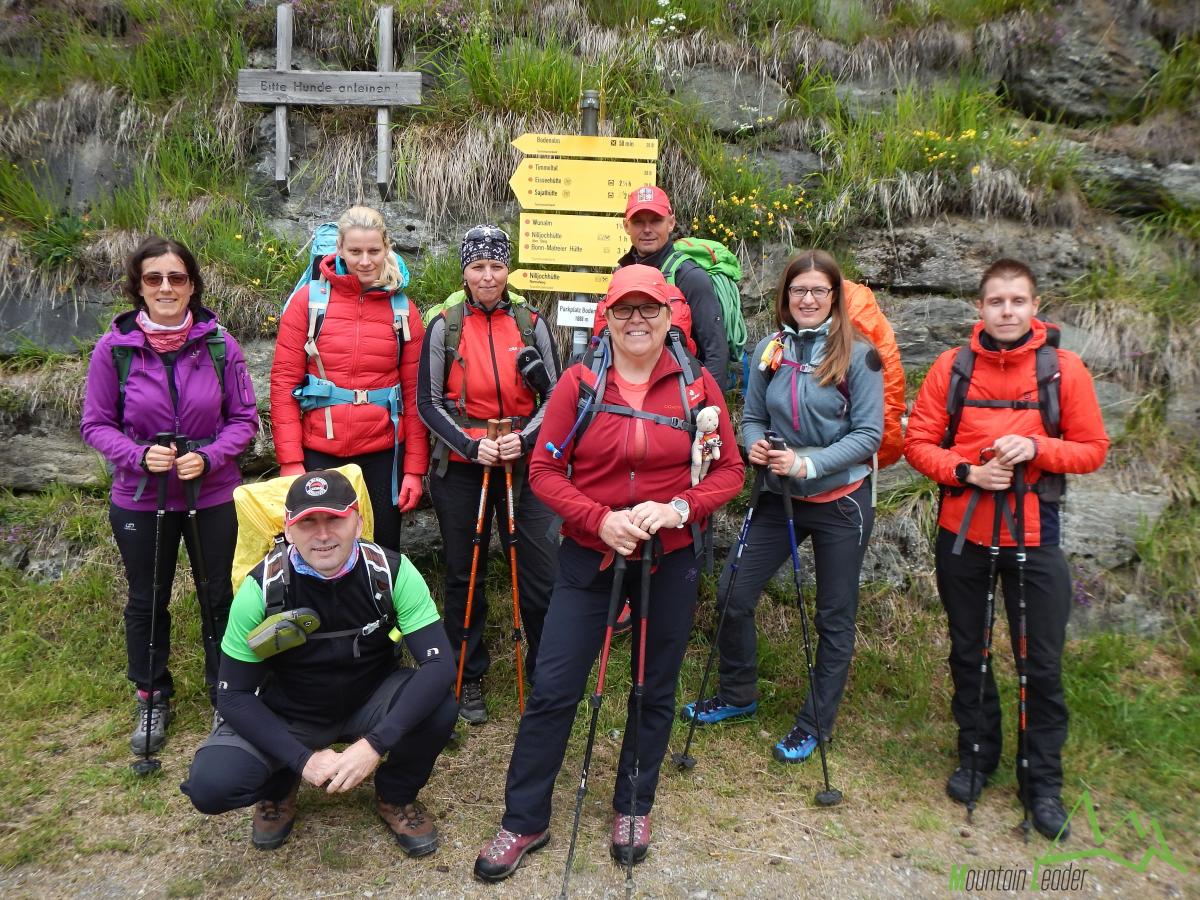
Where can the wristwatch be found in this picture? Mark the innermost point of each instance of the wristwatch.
(962, 472)
(681, 506)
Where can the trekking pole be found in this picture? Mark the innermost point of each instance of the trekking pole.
(614, 601)
(477, 540)
(146, 765)
(1022, 649)
(989, 615)
(639, 686)
(684, 760)
(191, 493)
(830, 796)
(503, 427)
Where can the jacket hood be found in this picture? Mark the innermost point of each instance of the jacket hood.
(125, 331)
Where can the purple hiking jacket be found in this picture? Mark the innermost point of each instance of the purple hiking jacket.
(201, 413)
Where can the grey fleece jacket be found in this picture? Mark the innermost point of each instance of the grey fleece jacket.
(837, 430)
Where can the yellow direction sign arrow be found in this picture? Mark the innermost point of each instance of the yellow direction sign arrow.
(559, 280)
(590, 147)
(572, 240)
(578, 184)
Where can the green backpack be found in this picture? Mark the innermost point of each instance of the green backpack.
(725, 272)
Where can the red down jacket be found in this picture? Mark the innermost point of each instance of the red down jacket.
(604, 477)
(358, 349)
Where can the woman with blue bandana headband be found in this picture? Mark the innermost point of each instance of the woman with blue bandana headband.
(487, 355)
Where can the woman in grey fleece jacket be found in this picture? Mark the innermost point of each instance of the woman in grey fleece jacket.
(820, 388)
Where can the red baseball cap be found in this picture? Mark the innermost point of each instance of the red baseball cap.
(648, 197)
(637, 280)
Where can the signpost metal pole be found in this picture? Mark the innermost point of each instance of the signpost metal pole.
(589, 108)
(383, 156)
(283, 64)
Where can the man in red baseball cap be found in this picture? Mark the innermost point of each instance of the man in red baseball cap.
(649, 222)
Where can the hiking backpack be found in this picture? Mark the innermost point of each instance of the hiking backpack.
(725, 272)
(1051, 486)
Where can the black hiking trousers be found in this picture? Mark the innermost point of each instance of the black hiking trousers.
(455, 498)
(963, 584)
(839, 530)
(228, 772)
(134, 533)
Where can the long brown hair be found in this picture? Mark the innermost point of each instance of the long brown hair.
(842, 334)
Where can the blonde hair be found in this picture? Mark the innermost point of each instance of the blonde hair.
(368, 219)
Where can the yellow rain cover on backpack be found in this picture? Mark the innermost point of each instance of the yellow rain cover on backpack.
(259, 509)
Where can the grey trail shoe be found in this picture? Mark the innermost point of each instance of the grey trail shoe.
(160, 718)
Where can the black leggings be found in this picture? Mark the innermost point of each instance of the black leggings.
(134, 532)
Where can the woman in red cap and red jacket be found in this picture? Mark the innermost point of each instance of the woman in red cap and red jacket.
(620, 476)
(370, 357)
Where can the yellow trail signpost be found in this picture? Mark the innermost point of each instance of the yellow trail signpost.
(559, 280)
(572, 240)
(587, 146)
(578, 184)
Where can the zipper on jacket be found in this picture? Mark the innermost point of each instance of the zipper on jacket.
(495, 368)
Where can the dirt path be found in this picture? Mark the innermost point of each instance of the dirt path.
(710, 840)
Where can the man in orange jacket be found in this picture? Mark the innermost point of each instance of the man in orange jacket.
(1005, 432)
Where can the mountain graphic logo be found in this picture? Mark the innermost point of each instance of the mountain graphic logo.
(1147, 830)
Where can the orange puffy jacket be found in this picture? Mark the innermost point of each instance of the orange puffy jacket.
(870, 320)
(1003, 375)
(358, 349)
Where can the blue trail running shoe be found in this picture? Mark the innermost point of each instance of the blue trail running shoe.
(714, 710)
(796, 747)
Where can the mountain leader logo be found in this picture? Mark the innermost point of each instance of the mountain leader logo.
(1056, 870)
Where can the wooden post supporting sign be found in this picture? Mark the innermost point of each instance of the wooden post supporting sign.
(285, 87)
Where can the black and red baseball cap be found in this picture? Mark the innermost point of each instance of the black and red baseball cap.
(323, 490)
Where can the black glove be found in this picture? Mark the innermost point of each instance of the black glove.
(533, 370)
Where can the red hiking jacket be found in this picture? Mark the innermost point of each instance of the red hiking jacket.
(358, 349)
(1004, 375)
(603, 476)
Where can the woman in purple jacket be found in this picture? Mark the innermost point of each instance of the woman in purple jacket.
(166, 366)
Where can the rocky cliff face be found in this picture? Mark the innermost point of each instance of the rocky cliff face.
(1076, 72)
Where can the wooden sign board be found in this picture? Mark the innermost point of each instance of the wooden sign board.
(329, 88)
(572, 240)
(578, 184)
(585, 146)
(559, 280)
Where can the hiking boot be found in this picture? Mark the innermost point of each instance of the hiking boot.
(273, 820)
(1050, 818)
(620, 838)
(501, 855)
(160, 718)
(624, 621)
(958, 786)
(470, 705)
(714, 710)
(796, 747)
(411, 824)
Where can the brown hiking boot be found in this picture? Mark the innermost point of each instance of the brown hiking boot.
(273, 820)
(411, 824)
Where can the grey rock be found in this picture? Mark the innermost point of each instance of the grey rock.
(1086, 66)
(925, 326)
(897, 552)
(946, 256)
(84, 172)
(1103, 518)
(34, 313)
(732, 102)
(1116, 403)
(876, 94)
(35, 455)
(1134, 186)
(1183, 411)
(1129, 614)
(784, 165)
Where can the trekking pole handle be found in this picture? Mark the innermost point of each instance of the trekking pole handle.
(164, 438)
(493, 429)
(986, 455)
(503, 426)
(776, 442)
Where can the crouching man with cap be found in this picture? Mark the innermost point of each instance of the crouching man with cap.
(320, 615)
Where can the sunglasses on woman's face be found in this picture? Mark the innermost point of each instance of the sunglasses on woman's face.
(626, 311)
(175, 279)
(486, 233)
